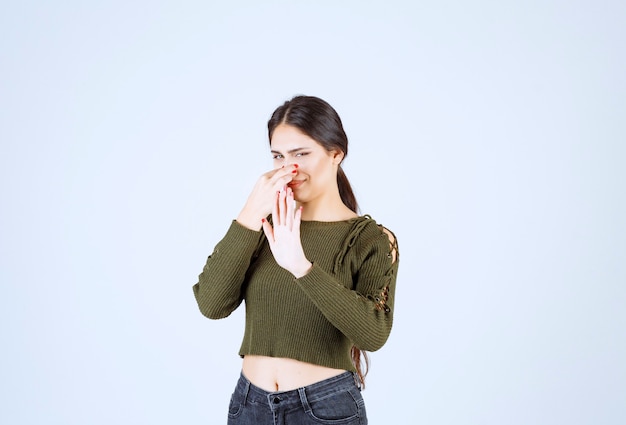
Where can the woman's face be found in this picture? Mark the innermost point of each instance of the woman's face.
(317, 167)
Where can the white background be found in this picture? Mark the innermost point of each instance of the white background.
(488, 135)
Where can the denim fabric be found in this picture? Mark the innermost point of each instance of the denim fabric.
(333, 401)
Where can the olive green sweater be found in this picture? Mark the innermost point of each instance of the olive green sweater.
(346, 298)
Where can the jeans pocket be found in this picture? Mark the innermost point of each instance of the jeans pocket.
(235, 406)
(343, 407)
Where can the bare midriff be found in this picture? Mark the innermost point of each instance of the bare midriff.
(280, 374)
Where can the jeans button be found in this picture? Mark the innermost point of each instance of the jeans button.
(276, 400)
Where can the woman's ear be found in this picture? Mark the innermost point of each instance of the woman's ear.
(337, 155)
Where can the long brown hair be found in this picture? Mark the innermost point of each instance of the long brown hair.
(318, 120)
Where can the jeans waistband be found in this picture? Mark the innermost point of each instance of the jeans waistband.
(311, 392)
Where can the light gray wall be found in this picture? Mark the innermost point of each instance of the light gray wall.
(489, 136)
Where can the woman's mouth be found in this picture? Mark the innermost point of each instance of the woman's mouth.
(294, 184)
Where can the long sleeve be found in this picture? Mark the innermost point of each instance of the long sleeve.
(363, 313)
(219, 288)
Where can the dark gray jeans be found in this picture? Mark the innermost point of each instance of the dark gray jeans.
(336, 400)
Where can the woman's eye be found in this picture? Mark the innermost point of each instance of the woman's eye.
(299, 154)
(277, 156)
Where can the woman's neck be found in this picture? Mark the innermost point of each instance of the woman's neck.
(326, 211)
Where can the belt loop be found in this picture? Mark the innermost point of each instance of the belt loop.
(246, 391)
(305, 402)
(357, 381)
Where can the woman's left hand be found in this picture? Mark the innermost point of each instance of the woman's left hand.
(284, 236)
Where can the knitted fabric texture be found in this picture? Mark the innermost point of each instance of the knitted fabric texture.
(346, 298)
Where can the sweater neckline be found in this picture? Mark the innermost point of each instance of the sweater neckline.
(346, 221)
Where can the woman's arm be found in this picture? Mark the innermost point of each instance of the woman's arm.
(365, 314)
(219, 288)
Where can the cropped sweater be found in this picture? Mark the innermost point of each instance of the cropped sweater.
(346, 298)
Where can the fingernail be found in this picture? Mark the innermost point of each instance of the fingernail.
(295, 165)
(262, 220)
(294, 171)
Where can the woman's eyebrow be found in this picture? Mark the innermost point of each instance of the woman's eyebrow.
(289, 151)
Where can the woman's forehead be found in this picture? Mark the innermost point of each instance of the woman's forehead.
(287, 138)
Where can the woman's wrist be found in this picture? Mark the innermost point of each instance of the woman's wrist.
(302, 269)
(251, 221)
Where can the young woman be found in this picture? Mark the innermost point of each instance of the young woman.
(318, 280)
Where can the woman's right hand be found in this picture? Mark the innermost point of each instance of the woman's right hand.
(261, 200)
